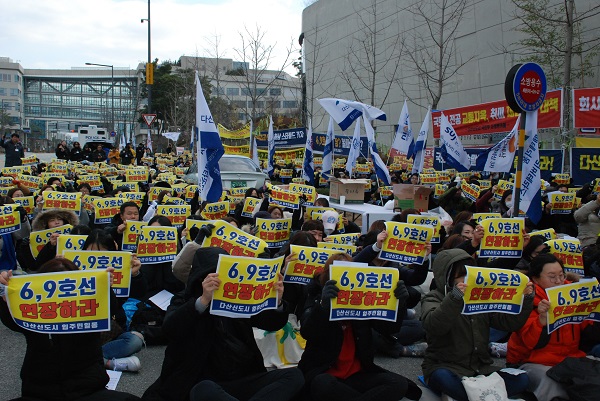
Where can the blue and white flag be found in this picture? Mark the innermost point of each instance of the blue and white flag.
(381, 169)
(308, 167)
(404, 142)
(328, 151)
(354, 149)
(271, 147)
(209, 148)
(149, 140)
(499, 158)
(122, 143)
(254, 147)
(531, 197)
(451, 148)
(193, 135)
(421, 144)
(344, 112)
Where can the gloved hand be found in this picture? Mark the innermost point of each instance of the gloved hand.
(401, 293)
(330, 291)
(204, 232)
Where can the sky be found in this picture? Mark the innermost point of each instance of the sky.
(60, 34)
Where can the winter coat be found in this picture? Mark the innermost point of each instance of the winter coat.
(76, 154)
(62, 152)
(454, 205)
(459, 342)
(114, 156)
(588, 223)
(98, 156)
(532, 344)
(201, 345)
(13, 153)
(60, 367)
(127, 155)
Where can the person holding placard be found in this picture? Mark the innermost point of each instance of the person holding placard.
(212, 357)
(128, 211)
(588, 222)
(458, 344)
(531, 348)
(338, 361)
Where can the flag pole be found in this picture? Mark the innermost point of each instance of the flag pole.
(520, 153)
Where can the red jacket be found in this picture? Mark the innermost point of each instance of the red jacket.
(562, 343)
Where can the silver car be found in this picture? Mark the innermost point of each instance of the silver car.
(236, 172)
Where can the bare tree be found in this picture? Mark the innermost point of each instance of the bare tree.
(215, 52)
(433, 55)
(256, 57)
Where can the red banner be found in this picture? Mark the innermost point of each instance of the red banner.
(586, 108)
(496, 117)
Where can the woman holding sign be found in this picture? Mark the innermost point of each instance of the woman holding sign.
(532, 348)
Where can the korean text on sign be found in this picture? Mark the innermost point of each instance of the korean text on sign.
(249, 205)
(215, 210)
(274, 232)
(65, 302)
(38, 239)
(307, 190)
(10, 222)
(69, 242)
(573, 303)
(157, 244)
(120, 261)
(405, 243)
(347, 248)
(175, 214)
(349, 239)
(105, 209)
(562, 203)
(247, 286)
(62, 200)
(493, 290)
(502, 238)
(569, 251)
(548, 233)
(309, 261)
(432, 221)
(365, 293)
(284, 198)
(190, 223)
(235, 241)
(131, 234)
(479, 217)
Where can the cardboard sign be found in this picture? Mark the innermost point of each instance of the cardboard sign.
(573, 303)
(502, 238)
(493, 290)
(405, 243)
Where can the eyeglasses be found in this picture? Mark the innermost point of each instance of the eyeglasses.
(553, 278)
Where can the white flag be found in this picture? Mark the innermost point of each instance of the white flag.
(452, 150)
(404, 141)
(174, 136)
(308, 167)
(149, 141)
(354, 149)
(421, 144)
(381, 169)
(271, 147)
(531, 197)
(344, 112)
(328, 150)
(254, 147)
(499, 158)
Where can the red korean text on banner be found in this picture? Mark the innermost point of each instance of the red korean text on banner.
(586, 108)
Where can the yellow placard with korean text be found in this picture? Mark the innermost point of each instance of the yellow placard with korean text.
(175, 213)
(503, 186)
(569, 251)
(284, 198)
(286, 173)
(386, 191)
(131, 234)
(120, 261)
(174, 200)
(493, 290)
(16, 170)
(247, 286)
(6, 181)
(502, 238)
(29, 160)
(10, 222)
(30, 181)
(573, 303)
(406, 243)
(27, 202)
(548, 233)
(349, 249)
(432, 221)
(485, 184)
(365, 293)
(308, 262)
(237, 193)
(479, 217)
(62, 200)
(154, 192)
(439, 190)
(429, 178)
(298, 180)
(249, 205)
(275, 232)
(38, 239)
(69, 242)
(309, 191)
(561, 179)
(470, 191)
(136, 197)
(190, 192)
(215, 210)
(190, 223)
(344, 239)
(136, 175)
(63, 302)
(235, 241)
(94, 182)
(562, 203)
(157, 244)
(105, 209)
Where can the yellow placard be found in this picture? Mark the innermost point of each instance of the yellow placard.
(249, 205)
(136, 175)
(440, 189)
(286, 173)
(105, 209)
(479, 217)
(38, 239)
(569, 251)
(16, 170)
(136, 197)
(10, 222)
(503, 186)
(298, 180)
(118, 260)
(470, 191)
(133, 186)
(69, 242)
(176, 214)
(64, 302)
(173, 200)
(28, 203)
(485, 184)
(284, 198)
(308, 262)
(548, 233)
(561, 179)
(502, 238)
(235, 241)
(365, 293)
(275, 232)
(493, 290)
(93, 180)
(62, 200)
(573, 303)
(157, 244)
(349, 249)
(562, 203)
(429, 178)
(131, 234)
(30, 181)
(237, 193)
(431, 221)
(344, 239)
(215, 210)
(309, 191)
(190, 192)
(406, 243)
(386, 191)
(29, 160)
(247, 286)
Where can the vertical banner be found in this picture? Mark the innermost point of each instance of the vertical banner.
(247, 286)
(494, 290)
(63, 302)
(365, 293)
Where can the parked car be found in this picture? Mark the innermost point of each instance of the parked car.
(236, 172)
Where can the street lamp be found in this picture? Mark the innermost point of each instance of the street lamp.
(112, 91)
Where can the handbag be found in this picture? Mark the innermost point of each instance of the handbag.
(485, 388)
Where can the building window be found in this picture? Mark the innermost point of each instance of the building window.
(2, 91)
(275, 91)
(233, 91)
(16, 78)
(220, 91)
(245, 92)
(15, 92)
(5, 77)
(239, 104)
(290, 104)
